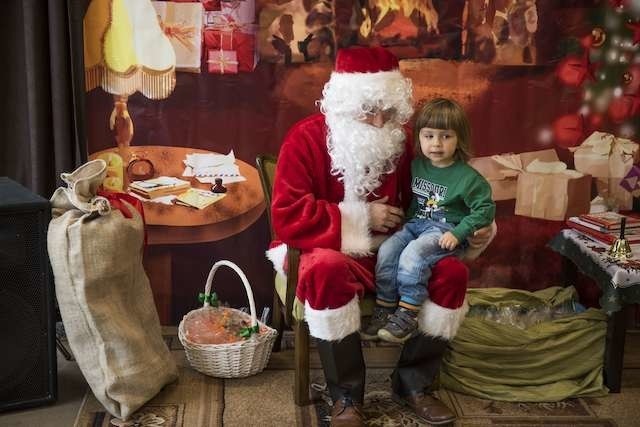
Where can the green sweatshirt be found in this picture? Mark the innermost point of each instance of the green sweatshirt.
(457, 191)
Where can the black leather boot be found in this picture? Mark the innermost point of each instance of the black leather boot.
(343, 366)
(412, 380)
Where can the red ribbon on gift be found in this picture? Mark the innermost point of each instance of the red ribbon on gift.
(242, 43)
(182, 33)
(116, 201)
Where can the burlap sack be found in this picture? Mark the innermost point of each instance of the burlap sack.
(104, 295)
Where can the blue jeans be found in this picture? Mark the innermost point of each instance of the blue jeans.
(405, 260)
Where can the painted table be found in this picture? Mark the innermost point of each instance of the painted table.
(168, 225)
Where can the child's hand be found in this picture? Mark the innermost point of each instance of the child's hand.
(448, 241)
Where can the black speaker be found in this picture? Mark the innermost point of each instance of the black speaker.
(28, 372)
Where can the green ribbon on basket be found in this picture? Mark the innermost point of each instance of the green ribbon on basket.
(246, 332)
(211, 298)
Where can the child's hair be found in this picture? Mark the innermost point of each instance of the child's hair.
(445, 114)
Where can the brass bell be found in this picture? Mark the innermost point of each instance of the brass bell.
(620, 249)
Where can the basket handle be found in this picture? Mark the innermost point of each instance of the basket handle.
(245, 282)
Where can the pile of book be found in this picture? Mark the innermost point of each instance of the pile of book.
(605, 226)
(197, 198)
(159, 187)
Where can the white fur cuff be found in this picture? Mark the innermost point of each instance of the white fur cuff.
(333, 324)
(277, 256)
(355, 234)
(438, 321)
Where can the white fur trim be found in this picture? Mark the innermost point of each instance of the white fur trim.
(277, 256)
(333, 324)
(473, 251)
(377, 80)
(438, 321)
(355, 235)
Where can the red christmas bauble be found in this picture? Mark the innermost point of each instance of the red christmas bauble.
(587, 41)
(620, 109)
(568, 130)
(573, 70)
(631, 79)
(594, 121)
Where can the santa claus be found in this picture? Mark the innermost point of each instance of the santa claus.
(341, 186)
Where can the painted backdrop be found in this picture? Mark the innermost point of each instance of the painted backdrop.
(246, 72)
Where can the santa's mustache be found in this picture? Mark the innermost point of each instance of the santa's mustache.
(361, 154)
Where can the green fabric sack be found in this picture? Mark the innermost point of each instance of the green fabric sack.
(548, 361)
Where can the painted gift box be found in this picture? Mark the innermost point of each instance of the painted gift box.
(207, 4)
(222, 32)
(296, 31)
(182, 23)
(409, 28)
(222, 61)
(242, 11)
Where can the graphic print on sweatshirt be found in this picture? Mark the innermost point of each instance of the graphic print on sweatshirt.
(428, 196)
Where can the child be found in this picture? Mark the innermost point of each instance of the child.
(450, 202)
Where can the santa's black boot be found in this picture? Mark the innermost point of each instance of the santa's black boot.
(344, 370)
(413, 378)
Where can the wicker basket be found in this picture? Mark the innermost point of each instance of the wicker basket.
(233, 360)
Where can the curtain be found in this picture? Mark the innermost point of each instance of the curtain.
(42, 114)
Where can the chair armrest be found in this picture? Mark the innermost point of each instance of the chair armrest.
(293, 261)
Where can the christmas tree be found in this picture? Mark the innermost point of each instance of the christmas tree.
(605, 65)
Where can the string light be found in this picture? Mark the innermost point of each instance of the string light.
(545, 135)
(627, 130)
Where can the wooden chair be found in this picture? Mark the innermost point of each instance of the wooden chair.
(284, 304)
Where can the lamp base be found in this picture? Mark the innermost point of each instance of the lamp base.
(122, 126)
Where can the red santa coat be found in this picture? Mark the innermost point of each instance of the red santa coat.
(337, 261)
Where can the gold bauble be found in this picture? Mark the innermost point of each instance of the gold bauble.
(599, 36)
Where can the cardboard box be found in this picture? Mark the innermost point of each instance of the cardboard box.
(603, 155)
(555, 196)
(501, 171)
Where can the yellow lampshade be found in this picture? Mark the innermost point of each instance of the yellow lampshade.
(126, 51)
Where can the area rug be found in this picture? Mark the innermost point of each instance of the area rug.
(267, 400)
(381, 411)
(193, 400)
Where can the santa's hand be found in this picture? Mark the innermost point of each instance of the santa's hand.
(448, 241)
(384, 217)
(480, 237)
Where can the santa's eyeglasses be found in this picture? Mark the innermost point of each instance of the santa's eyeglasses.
(386, 113)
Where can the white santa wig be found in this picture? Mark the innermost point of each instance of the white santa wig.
(364, 80)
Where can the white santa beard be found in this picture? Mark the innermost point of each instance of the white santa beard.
(361, 153)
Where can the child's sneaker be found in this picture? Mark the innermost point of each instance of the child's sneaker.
(378, 320)
(400, 327)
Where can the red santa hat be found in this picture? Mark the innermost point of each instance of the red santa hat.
(365, 60)
(368, 74)
(358, 67)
